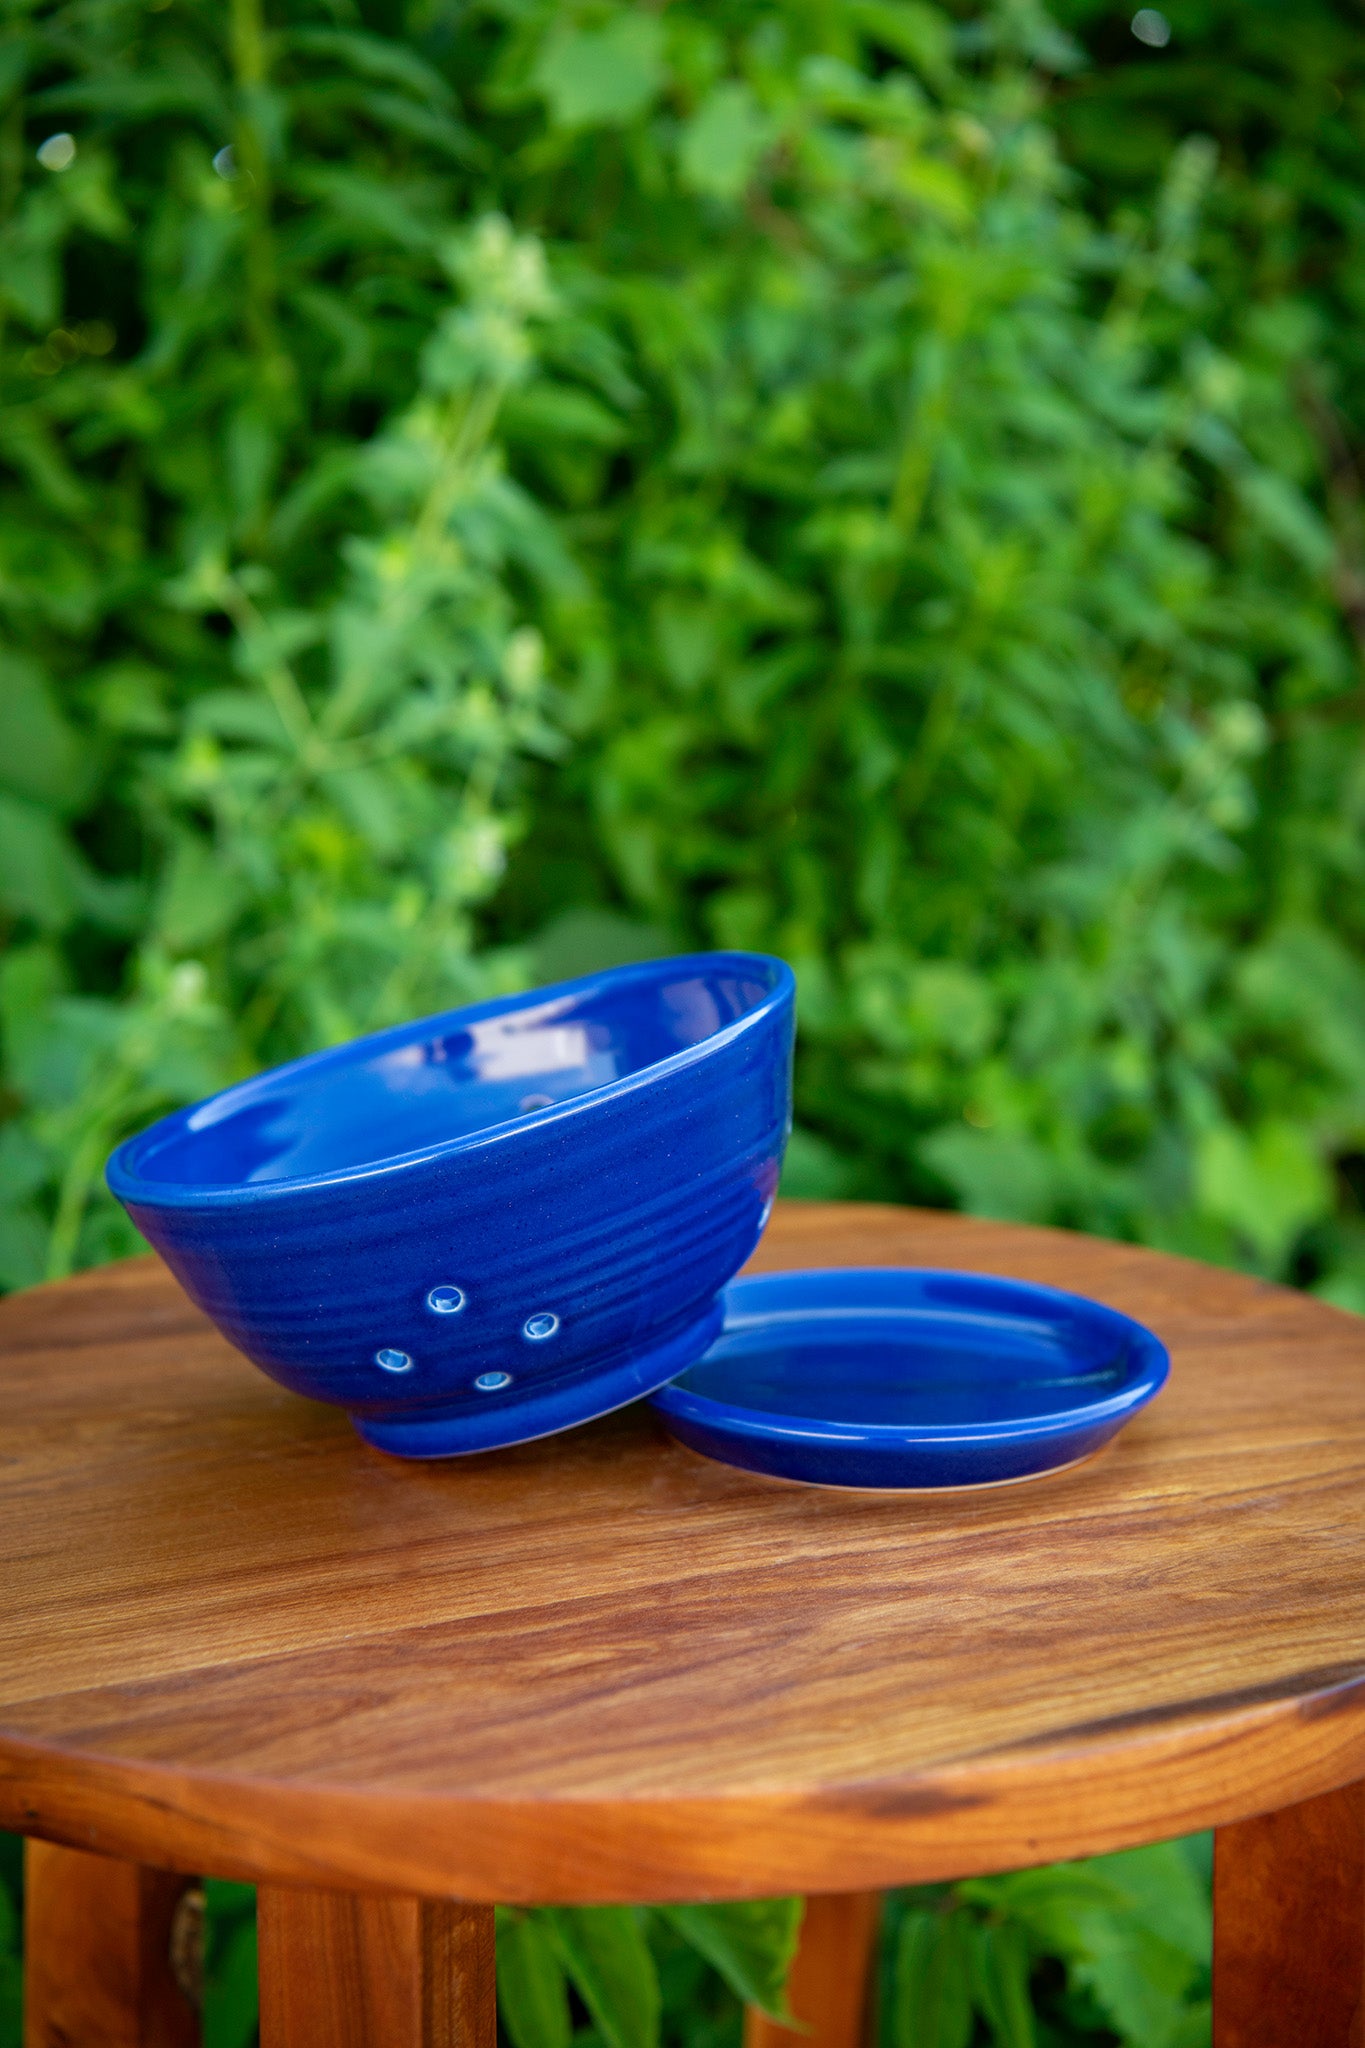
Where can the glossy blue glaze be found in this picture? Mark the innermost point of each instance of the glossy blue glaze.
(491, 1224)
(889, 1377)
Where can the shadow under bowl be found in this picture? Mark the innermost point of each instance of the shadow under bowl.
(892, 1377)
(487, 1225)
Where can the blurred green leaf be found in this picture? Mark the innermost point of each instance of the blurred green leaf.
(605, 1954)
(533, 1995)
(1167, 1885)
(999, 1967)
(11, 1973)
(230, 1994)
(41, 757)
(32, 980)
(723, 141)
(751, 1943)
(199, 897)
(813, 1171)
(604, 76)
(39, 872)
(933, 1981)
(1267, 1184)
(995, 1173)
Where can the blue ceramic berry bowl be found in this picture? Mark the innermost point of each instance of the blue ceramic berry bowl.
(491, 1224)
(893, 1377)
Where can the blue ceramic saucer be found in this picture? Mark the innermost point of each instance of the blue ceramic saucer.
(892, 1377)
(491, 1224)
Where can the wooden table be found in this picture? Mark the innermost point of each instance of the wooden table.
(234, 1640)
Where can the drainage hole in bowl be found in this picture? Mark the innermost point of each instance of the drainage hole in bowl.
(491, 1382)
(539, 1327)
(393, 1361)
(446, 1301)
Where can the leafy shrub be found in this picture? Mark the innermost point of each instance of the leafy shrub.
(1113, 1949)
(968, 637)
(1080, 1955)
(267, 671)
(1282, 99)
(929, 588)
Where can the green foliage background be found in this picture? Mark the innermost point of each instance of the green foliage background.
(1110, 1951)
(490, 487)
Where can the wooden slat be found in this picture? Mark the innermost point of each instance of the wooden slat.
(97, 1962)
(830, 1989)
(596, 1667)
(350, 1970)
(1289, 1927)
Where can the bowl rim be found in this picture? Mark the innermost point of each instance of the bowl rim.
(130, 1186)
(1151, 1370)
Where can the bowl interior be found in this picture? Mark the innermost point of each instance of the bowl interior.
(911, 1350)
(446, 1077)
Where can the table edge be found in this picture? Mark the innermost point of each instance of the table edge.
(1042, 1804)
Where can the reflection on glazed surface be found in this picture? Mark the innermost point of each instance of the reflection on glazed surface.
(412, 1096)
(922, 1368)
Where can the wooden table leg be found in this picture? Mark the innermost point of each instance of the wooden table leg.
(97, 1953)
(1289, 1927)
(352, 1970)
(831, 1981)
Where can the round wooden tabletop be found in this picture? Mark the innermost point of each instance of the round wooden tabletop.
(596, 1667)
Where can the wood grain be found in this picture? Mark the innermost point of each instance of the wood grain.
(97, 1954)
(1289, 1927)
(342, 1970)
(596, 1667)
(830, 1989)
